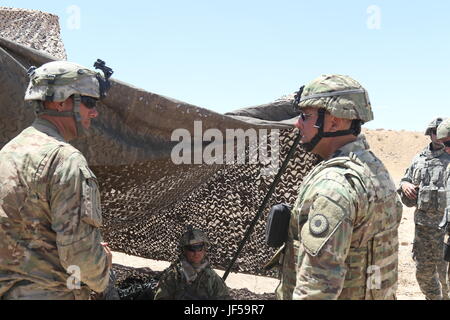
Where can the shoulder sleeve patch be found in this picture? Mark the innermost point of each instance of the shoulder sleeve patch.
(325, 217)
(318, 225)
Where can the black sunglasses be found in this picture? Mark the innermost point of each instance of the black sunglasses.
(433, 131)
(195, 247)
(89, 102)
(447, 143)
(304, 116)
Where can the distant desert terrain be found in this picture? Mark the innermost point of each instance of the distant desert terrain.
(396, 149)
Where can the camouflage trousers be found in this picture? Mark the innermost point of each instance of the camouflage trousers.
(431, 269)
(26, 290)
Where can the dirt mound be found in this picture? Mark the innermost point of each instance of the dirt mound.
(396, 148)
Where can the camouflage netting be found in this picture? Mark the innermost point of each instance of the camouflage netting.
(36, 29)
(147, 200)
(223, 204)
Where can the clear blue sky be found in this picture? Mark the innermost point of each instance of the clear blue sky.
(225, 55)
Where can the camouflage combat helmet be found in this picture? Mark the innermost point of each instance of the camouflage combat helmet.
(193, 236)
(433, 126)
(340, 95)
(58, 80)
(443, 131)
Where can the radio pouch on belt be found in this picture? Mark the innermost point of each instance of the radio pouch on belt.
(277, 225)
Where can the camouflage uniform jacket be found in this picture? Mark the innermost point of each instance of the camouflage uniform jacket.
(427, 171)
(447, 187)
(343, 236)
(173, 285)
(49, 219)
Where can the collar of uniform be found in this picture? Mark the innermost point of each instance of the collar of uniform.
(359, 144)
(190, 271)
(432, 153)
(48, 128)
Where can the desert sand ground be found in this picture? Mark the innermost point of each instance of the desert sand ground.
(396, 149)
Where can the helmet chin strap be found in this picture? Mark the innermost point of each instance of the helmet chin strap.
(355, 129)
(75, 114)
(309, 146)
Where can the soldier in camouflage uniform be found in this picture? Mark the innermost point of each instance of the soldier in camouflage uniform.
(343, 234)
(50, 242)
(443, 135)
(191, 276)
(423, 185)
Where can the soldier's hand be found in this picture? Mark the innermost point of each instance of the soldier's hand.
(108, 253)
(409, 190)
